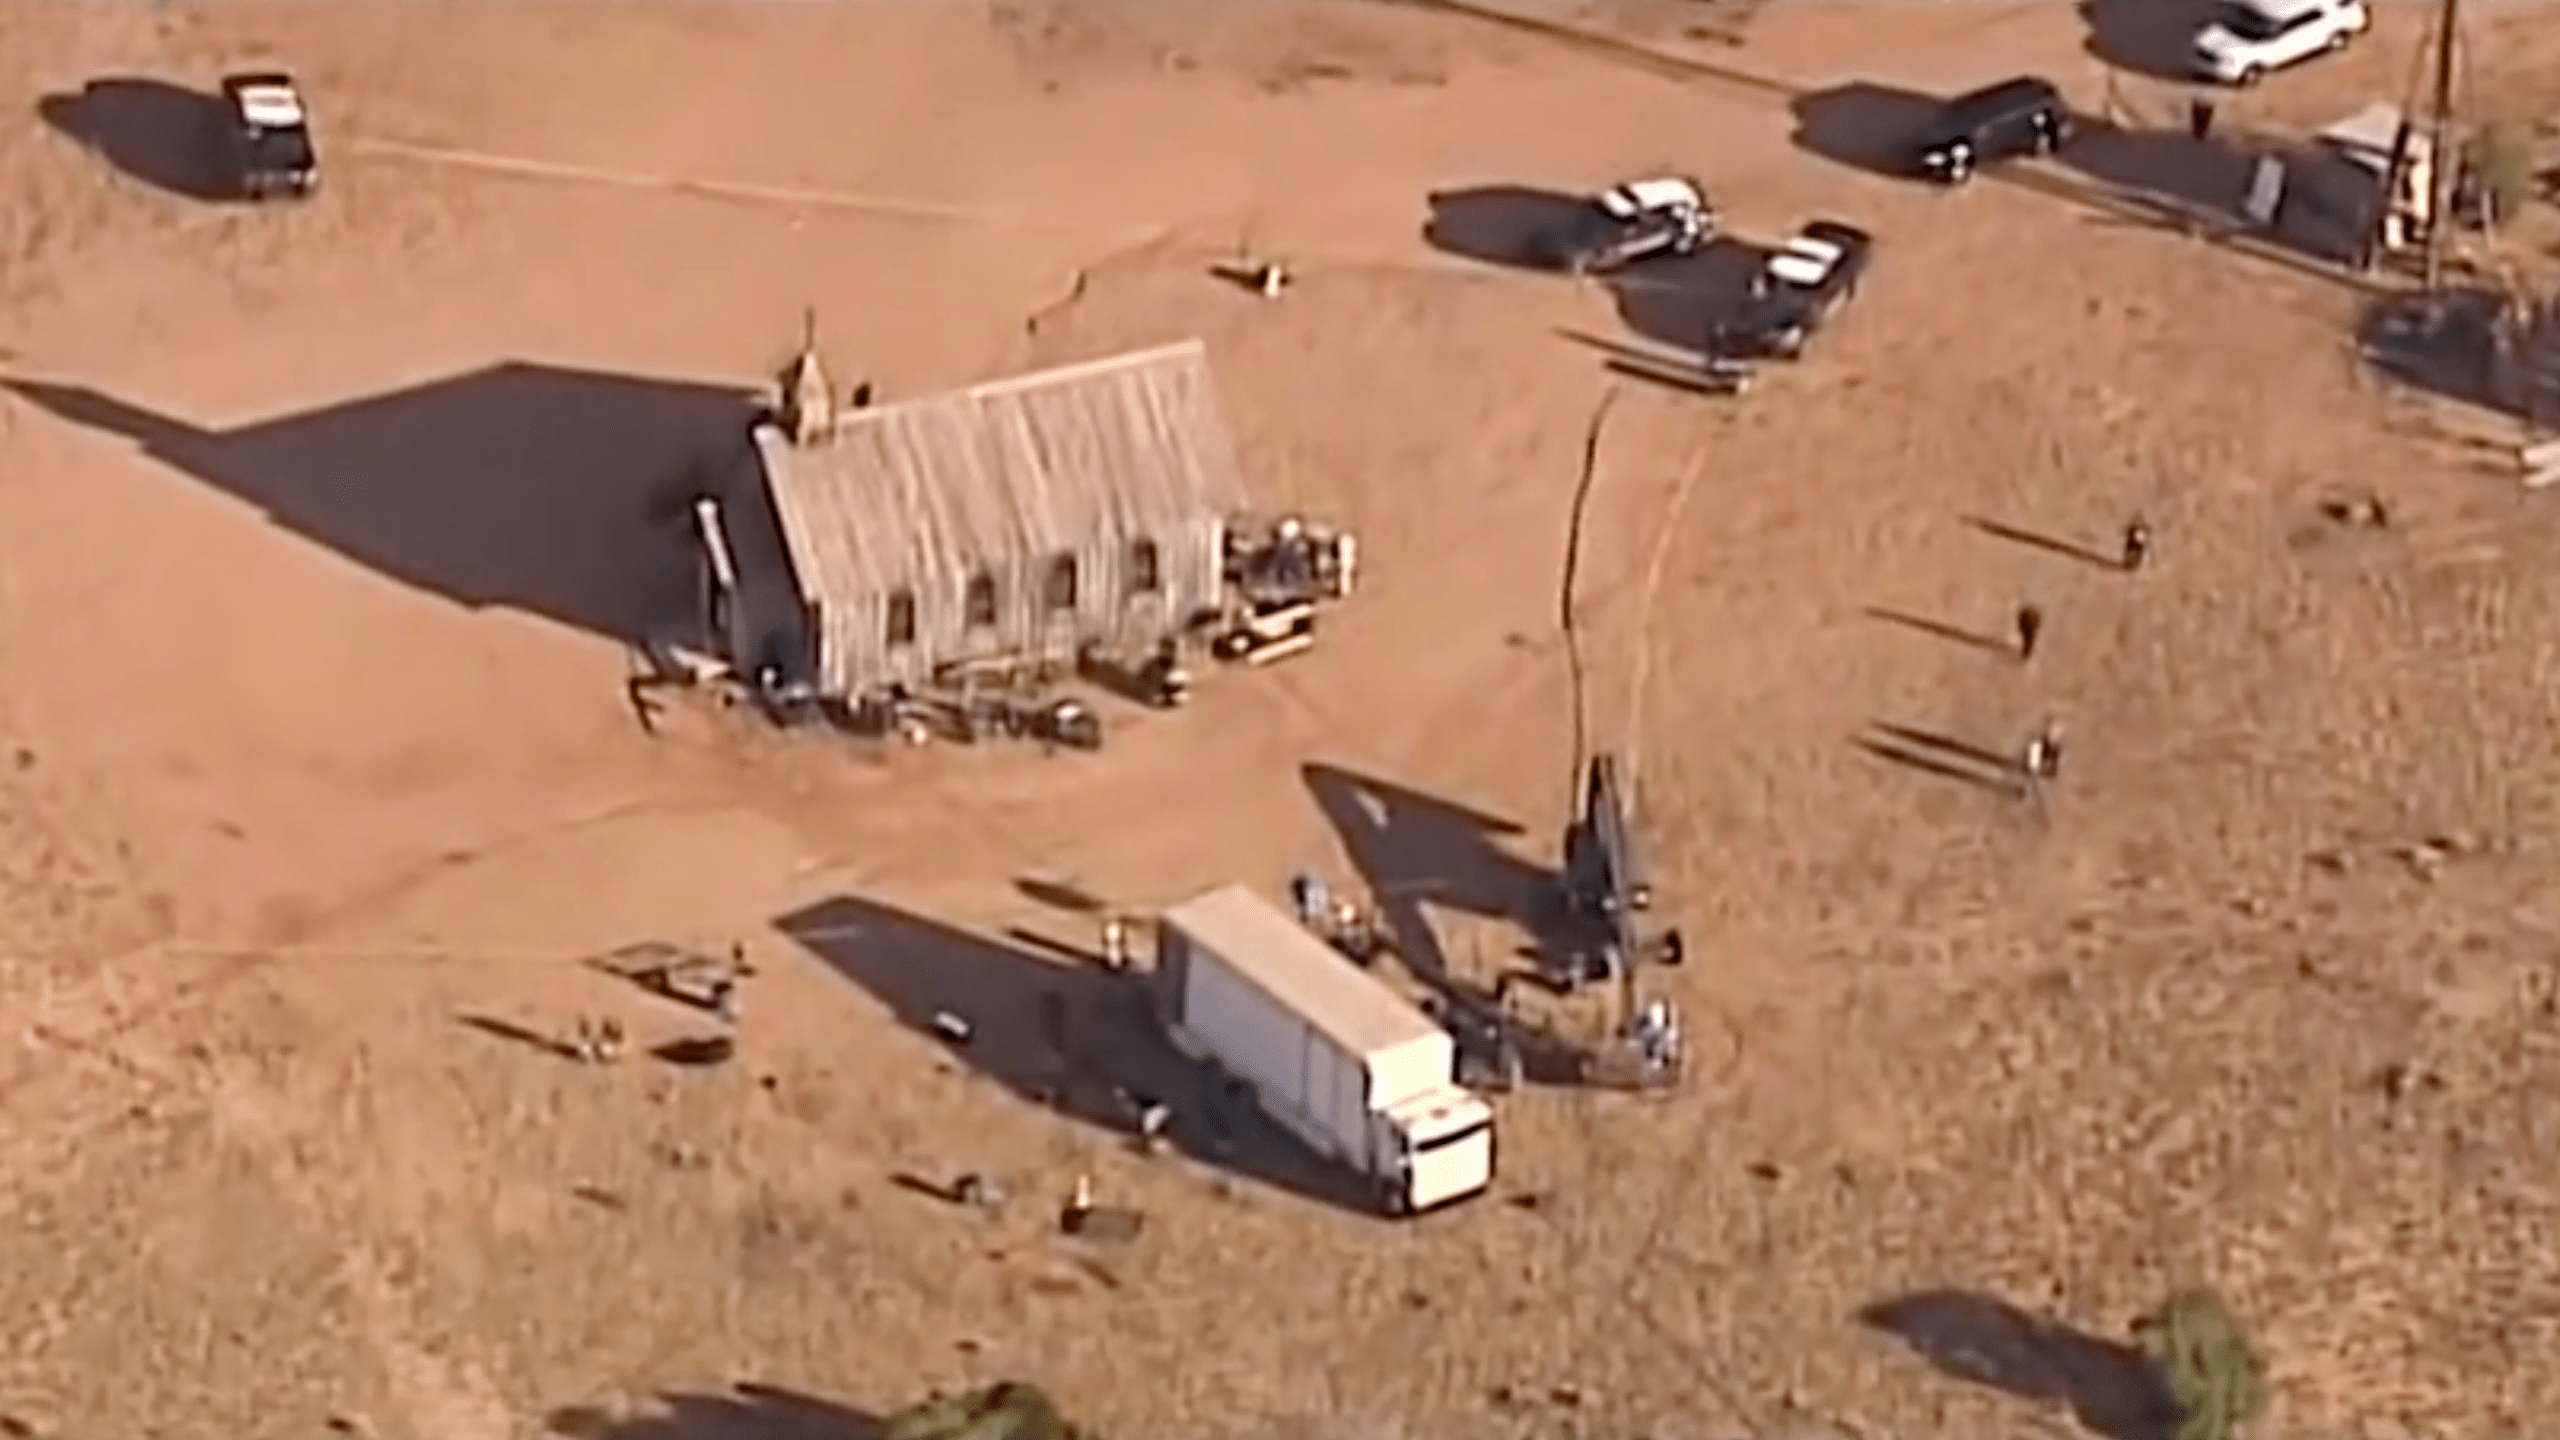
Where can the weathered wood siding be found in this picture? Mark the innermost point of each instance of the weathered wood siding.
(1004, 481)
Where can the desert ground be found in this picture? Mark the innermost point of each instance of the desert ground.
(324, 537)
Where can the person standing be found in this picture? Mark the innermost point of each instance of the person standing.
(2137, 544)
(2030, 630)
(2042, 762)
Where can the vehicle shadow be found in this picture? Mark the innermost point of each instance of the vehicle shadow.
(521, 486)
(166, 136)
(742, 1412)
(1979, 1339)
(1865, 126)
(1079, 1040)
(1506, 225)
(2149, 38)
(1681, 302)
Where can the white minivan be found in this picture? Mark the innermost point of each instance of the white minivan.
(2249, 38)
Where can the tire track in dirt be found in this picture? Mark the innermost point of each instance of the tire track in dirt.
(1569, 583)
(1639, 680)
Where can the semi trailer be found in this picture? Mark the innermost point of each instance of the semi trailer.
(1331, 1052)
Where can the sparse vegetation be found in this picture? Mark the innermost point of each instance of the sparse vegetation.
(2502, 158)
(1008, 1410)
(2209, 1363)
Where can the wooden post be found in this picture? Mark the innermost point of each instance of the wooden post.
(2444, 154)
(720, 580)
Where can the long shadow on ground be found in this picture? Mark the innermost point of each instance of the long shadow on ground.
(2153, 177)
(524, 486)
(743, 1412)
(1070, 1037)
(2445, 346)
(1866, 126)
(1414, 851)
(165, 136)
(1983, 1340)
(1670, 300)
(1505, 224)
(1680, 302)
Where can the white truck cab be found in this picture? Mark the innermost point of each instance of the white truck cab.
(1657, 194)
(2248, 39)
(1442, 1149)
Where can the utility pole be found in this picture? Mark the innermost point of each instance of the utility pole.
(2444, 157)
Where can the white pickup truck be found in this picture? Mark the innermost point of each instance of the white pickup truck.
(1334, 1054)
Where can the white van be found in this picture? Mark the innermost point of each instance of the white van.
(2249, 38)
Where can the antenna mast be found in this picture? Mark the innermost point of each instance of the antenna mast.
(2442, 144)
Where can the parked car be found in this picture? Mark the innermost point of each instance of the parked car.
(2023, 116)
(1639, 220)
(271, 137)
(1800, 287)
(2248, 38)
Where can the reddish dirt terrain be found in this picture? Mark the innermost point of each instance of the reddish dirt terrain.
(321, 525)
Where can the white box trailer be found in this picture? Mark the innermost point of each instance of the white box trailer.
(1332, 1052)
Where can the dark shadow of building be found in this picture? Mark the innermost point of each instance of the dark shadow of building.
(521, 486)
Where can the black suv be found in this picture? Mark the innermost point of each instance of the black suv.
(271, 137)
(2025, 116)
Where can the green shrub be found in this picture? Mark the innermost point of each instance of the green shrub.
(1007, 1411)
(2207, 1360)
(2502, 159)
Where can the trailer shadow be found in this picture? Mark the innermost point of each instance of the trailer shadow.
(1078, 1040)
(165, 136)
(742, 1412)
(521, 486)
(1982, 1340)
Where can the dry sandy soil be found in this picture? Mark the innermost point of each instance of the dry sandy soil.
(320, 526)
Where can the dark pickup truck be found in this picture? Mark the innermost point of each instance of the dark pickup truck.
(1801, 286)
